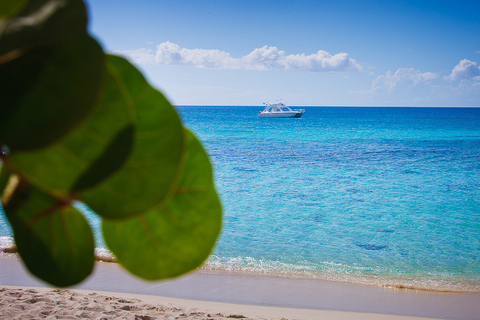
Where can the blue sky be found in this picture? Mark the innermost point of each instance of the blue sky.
(319, 53)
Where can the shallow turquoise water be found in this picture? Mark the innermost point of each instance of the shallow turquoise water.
(390, 191)
(384, 196)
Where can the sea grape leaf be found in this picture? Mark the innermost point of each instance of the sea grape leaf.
(150, 172)
(90, 154)
(45, 93)
(9, 8)
(178, 236)
(53, 239)
(38, 23)
(50, 71)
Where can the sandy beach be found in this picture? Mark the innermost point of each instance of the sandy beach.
(45, 303)
(111, 293)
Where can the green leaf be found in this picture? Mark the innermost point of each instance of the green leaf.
(50, 71)
(178, 236)
(9, 8)
(37, 24)
(46, 93)
(90, 154)
(53, 239)
(75, 126)
(151, 172)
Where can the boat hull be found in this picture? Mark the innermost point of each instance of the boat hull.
(280, 114)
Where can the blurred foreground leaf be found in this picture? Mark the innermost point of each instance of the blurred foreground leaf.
(177, 236)
(33, 24)
(75, 125)
(11, 7)
(53, 239)
(94, 151)
(151, 171)
(50, 74)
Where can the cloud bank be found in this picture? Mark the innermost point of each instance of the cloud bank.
(409, 86)
(264, 58)
(464, 70)
(389, 81)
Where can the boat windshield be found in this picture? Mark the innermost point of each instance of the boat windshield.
(280, 107)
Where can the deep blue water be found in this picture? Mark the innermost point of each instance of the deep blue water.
(385, 196)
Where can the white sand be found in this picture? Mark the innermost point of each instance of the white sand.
(44, 303)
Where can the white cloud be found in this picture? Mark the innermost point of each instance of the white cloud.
(171, 53)
(408, 86)
(140, 56)
(389, 81)
(464, 70)
(264, 58)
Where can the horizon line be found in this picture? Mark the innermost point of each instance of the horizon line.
(321, 106)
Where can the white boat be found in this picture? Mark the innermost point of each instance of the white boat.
(279, 110)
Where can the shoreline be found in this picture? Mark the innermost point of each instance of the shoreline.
(263, 291)
(418, 283)
(395, 282)
(452, 284)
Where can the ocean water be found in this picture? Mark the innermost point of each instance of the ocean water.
(378, 196)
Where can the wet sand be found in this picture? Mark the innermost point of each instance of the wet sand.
(198, 295)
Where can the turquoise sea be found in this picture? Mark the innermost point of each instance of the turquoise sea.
(380, 196)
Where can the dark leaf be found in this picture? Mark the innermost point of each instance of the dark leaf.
(37, 24)
(53, 239)
(10, 8)
(95, 150)
(46, 93)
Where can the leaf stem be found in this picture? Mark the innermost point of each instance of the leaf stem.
(57, 205)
